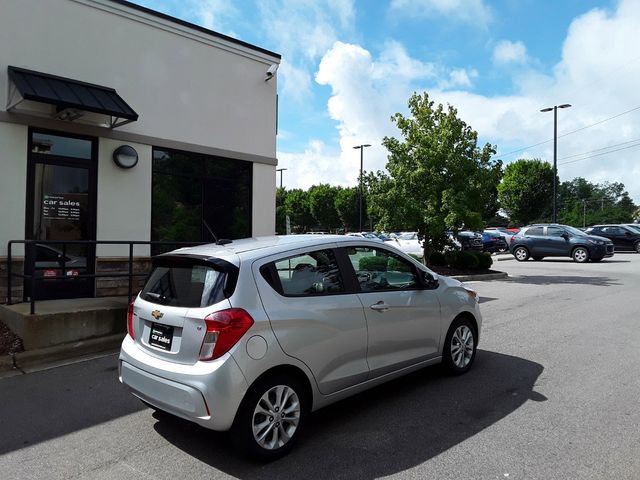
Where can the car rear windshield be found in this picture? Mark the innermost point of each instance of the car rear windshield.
(185, 284)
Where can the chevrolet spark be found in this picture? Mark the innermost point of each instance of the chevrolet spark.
(254, 335)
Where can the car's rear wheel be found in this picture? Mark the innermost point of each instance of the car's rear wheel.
(580, 255)
(637, 247)
(521, 254)
(460, 346)
(271, 417)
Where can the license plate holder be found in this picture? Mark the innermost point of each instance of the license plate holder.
(161, 336)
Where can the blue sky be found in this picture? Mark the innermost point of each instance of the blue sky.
(348, 65)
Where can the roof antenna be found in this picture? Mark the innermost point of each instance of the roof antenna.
(210, 231)
(222, 241)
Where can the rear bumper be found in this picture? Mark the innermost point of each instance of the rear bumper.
(207, 393)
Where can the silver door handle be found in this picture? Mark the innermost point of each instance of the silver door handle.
(380, 306)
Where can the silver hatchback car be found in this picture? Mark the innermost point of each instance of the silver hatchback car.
(256, 334)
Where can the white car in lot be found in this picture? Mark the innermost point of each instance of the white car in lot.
(256, 334)
(408, 243)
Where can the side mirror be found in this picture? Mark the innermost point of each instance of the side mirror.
(431, 282)
(565, 235)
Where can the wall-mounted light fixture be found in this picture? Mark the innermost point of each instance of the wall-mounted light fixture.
(125, 156)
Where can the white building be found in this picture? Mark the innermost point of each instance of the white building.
(82, 78)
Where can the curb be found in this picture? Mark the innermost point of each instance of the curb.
(504, 258)
(486, 276)
(43, 358)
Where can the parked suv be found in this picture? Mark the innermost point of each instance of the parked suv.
(254, 335)
(623, 237)
(553, 240)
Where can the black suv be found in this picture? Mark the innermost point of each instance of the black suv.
(553, 240)
(623, 238)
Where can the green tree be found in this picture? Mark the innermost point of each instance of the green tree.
(438, 177)
(297, 207)
(281, 211)
(347, 204)
(526, 191)
(322, 205)
(585, 203)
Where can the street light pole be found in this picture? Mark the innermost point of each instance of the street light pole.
(361, 148)
(280, 170)
(555, 155)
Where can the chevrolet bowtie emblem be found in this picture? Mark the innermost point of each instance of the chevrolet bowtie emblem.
(157, 314)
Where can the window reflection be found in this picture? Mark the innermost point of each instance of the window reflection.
(192, 191)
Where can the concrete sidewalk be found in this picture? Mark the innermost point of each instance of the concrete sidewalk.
(64, 354)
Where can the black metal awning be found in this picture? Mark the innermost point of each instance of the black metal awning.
(71, 99)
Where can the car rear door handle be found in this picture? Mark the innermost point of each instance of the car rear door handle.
(380, 306)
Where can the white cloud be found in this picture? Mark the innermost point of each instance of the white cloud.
(216, 14)
(474, 12)
(303, 30)
(506, 52)
(594, 74)
(295, 82)
(459, 77)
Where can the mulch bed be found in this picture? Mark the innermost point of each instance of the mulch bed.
(9, 341)
(451, 272)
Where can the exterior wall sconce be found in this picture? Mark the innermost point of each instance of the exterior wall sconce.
(125, 156)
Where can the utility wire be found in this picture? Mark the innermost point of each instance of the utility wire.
(600, 154)
(568, 133)
(600, 149)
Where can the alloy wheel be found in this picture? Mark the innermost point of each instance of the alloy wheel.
(521, 254)
(580, 255)
(462, 344)
(276, 417)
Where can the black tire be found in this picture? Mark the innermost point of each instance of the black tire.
(242, 429)
(637, 247)
(453, 363)
(521, 254)
(537, 259)
(580, 255)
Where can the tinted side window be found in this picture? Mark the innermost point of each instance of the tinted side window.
(534, 231)
(313, 273)
(555, 232)
(379, 269)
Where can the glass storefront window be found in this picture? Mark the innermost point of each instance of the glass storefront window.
(194, 192)
(48, 144)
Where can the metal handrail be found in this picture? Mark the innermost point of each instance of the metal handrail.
(33, 279)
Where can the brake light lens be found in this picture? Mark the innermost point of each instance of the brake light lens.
(224, 329)
(130, 321)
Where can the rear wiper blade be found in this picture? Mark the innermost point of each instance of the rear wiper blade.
(161, 298)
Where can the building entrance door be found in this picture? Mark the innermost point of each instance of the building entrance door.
(61, 206)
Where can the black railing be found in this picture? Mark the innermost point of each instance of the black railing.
(33, 279)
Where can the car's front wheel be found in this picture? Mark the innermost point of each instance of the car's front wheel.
(271, 417)
(637, 247)
(580, 255)
(521, 254)
(460, 346)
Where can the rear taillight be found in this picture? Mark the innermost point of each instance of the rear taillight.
(130, 321)
(224, 329)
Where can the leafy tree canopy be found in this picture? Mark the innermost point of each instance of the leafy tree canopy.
(526, 191)
(438, 180)
(322, 205)
(347, 204)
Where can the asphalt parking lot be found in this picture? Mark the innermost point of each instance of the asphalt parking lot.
(554, 394)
